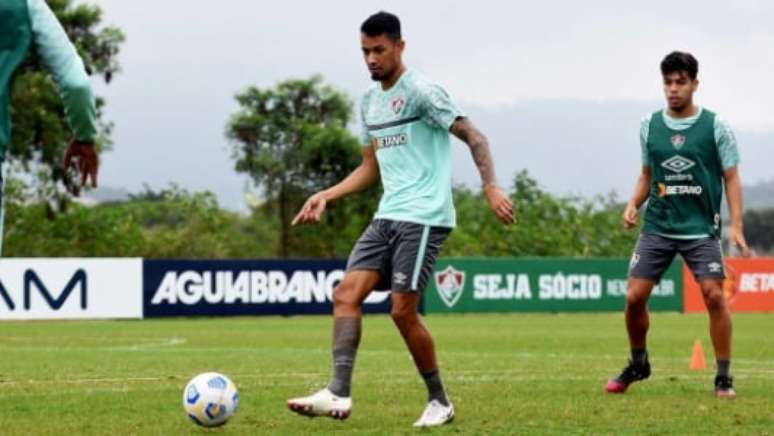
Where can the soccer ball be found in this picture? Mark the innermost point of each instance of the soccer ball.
(210, 399)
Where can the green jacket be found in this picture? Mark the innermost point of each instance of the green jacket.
(25, 23)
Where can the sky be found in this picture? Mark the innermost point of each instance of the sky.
(559, 87)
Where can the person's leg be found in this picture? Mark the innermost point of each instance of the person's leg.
(405, 315)
(415, 251)
(637, 324)
(705, 259)
(364, 272)
(348, 300)
(719, 319)
(652, 256)
(637, 317)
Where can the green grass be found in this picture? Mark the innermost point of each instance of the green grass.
(507, 374)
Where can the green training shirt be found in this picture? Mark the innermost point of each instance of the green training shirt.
(408, 126)
(31, 22)
(687, 158)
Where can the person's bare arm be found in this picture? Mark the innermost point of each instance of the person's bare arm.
(464, 129)
(641, 192)
(498, 200)
(734, 198)
(362, 177)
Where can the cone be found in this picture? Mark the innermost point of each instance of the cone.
(697, 357)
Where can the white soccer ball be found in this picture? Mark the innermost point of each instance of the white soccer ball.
(210, 399)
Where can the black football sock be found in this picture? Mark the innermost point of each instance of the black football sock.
(346, 338)
(639, 356)
(435, 390)
(724, 366)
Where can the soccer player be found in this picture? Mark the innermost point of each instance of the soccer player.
(689, 155)
(31, 22)
(406, 124)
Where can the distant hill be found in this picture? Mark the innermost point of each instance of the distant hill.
(759, 196)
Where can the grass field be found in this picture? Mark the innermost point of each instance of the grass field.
(507, 374)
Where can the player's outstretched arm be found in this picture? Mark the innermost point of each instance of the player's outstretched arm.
(641, 192)
(498, 200)
(362, 177)
(734, 197)
(66, 67)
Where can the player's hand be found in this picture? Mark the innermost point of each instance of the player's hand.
(630, 216)
(736, 236)
(83, 157)
(500, 204)
(312, 210)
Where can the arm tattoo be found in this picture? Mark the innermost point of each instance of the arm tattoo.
(479, 148)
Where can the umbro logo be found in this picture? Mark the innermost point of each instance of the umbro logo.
(399, 278)
(715, 267)
(678, 164)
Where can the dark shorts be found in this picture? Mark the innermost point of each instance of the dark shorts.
(403, 253)
(653, 255)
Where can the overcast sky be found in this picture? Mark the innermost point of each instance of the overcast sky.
(558, 86)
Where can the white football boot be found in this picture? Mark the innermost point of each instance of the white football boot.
(435, 414)
(322, 403)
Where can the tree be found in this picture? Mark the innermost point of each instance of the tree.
(546, 225)
(41, 133)
(292, 140)
(759, 228)
(171, 223)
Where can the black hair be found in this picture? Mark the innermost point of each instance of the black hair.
(382, 23)
(679, 61)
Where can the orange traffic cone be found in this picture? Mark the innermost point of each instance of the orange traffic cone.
(697, 357)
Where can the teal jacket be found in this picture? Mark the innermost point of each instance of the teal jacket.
(24, 23)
